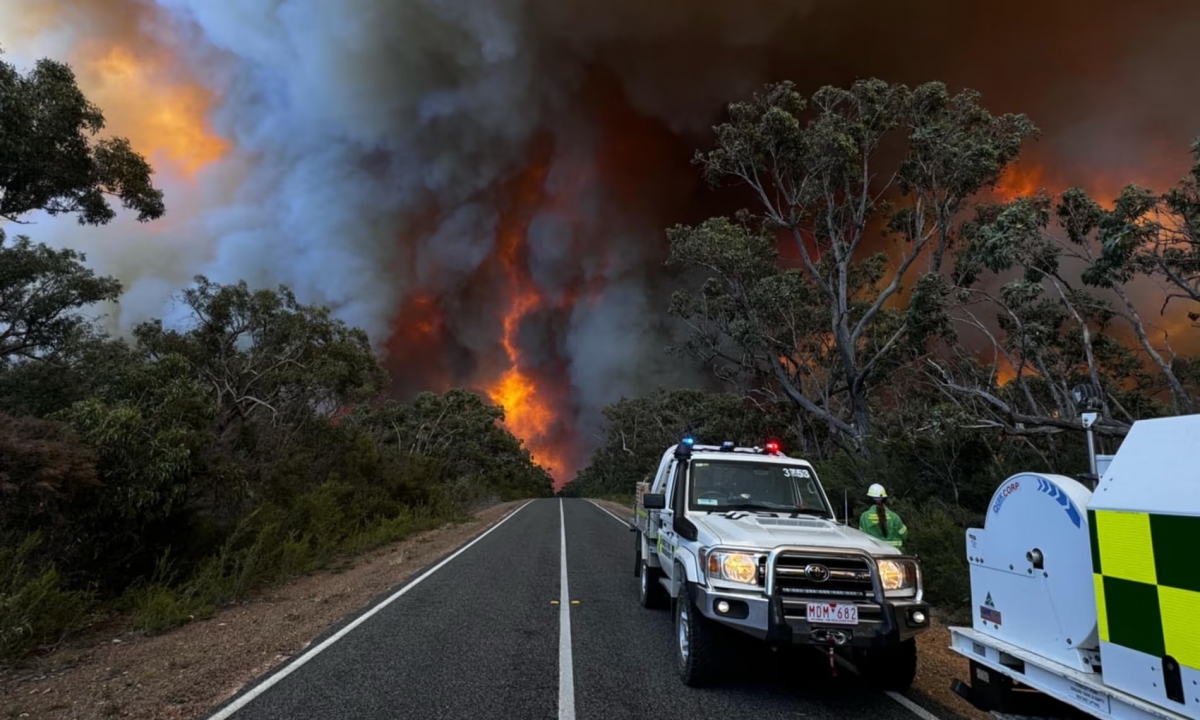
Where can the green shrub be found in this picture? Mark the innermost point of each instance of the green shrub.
(271, 545)
(937, 534)
(157, 608)
(390, 530)
(35, 609)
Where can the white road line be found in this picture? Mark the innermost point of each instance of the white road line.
(626, 523)
(566, 671)
(295, 664)
(909, 705)
(912, 706)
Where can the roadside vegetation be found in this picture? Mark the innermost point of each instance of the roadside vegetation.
(159, 476)
(882, 309)
(878, 307)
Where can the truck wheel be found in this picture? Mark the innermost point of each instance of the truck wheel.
(890, 668)
(652, 594)
(696, 642)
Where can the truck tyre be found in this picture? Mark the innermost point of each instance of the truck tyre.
(890, 668)
(652, 594)
(696, 642)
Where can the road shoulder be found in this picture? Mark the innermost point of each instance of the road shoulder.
(190, 670)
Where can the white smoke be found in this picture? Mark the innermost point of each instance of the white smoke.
(354, 118)
(368, 137)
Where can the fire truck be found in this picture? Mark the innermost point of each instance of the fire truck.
(1085, 596)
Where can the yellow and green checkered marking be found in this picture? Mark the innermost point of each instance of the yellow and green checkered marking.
(1147, 577)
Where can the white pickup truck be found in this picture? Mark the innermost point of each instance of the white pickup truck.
(746, 538)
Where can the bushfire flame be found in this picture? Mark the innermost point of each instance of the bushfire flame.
(527, 414)
(1019, 180)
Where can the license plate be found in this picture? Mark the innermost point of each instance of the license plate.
(833, 613)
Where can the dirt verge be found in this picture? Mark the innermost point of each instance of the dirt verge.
(937, 667)
(188, 671)
(624, 512)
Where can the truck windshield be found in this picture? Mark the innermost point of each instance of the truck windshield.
(722, 486)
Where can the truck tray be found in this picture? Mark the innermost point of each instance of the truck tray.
(641, 516)
(1083, 691)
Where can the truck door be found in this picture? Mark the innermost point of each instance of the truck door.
(667, 537)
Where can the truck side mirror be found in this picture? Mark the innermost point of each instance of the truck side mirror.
(654, 501)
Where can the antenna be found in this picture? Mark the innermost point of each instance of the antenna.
(846, 500)
(1087, 396)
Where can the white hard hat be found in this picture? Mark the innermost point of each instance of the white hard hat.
(876, 491)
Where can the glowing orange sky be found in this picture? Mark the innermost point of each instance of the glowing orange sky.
(164, 117)
(146, 94)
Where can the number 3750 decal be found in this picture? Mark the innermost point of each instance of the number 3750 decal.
(796, 473)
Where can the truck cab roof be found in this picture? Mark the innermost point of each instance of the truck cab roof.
(761, 526)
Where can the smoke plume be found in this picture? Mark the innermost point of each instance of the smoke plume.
(482, 186)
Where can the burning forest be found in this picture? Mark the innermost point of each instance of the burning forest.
(484, 187)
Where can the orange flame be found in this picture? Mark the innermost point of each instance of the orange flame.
(527, 414)
(428, 317)
(1020, 180)
(1005, 372)
(417, 334)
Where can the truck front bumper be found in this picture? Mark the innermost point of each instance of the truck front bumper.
(781, 622)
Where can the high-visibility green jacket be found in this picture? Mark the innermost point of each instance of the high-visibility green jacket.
(897, 532)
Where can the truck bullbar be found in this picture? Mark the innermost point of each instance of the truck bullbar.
(788, 557)
(848, 578)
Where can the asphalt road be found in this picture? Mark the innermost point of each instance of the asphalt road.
(480, 634)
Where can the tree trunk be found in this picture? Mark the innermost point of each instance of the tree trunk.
(862, 424)
(1178, 392)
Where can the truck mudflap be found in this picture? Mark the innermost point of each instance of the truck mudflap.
(780, 623)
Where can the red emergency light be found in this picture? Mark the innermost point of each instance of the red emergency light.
(772, 446)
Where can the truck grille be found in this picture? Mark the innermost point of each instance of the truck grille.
(845, 577)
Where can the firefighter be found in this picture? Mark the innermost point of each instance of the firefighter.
(881, 521)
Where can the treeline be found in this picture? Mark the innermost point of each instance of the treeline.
(885, 314)
(182, 467)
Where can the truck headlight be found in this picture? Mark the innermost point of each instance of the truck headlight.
(898, 577)
(733, 566)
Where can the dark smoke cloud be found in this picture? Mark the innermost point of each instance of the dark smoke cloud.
(376, 134)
